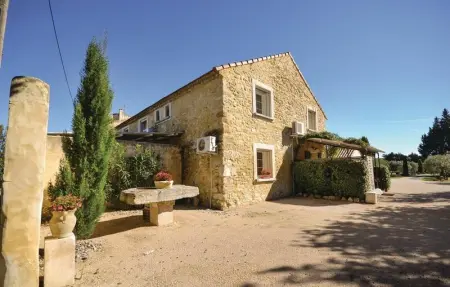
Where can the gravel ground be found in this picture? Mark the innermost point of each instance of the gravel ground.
(402, 241)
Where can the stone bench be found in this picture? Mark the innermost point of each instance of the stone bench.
(160, 201)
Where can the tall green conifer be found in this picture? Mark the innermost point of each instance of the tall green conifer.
(88, 152)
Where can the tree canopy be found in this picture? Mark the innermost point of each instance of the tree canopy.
(394, 156)
(437, 140)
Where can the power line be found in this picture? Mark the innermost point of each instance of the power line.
(59, 50)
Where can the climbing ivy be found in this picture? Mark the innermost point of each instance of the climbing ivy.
(363, 141)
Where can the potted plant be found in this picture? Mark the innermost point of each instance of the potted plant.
(265, 173)
(63, 219)
(163, 179)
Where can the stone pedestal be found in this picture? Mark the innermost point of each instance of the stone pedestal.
(371, 197)
(26, 146)
(161, 213)
(59, 261)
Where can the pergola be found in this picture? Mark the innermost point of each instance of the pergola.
(345, 149)
(152, 137)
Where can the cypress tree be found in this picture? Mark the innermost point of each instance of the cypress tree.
(405, 167)
(88, 152)
(437, 140)
(420, 168)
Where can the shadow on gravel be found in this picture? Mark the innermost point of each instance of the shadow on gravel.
(419, 198)
(306, 201)
(118, 225)
(397, 246)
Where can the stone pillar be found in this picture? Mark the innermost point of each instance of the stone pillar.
(59, 261)
(370, 174)
(23, 185)
(161, 213)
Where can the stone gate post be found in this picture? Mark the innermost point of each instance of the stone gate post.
(23, 185)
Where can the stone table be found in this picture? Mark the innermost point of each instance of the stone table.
(160, 201)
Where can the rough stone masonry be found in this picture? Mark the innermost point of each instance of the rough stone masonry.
(25, 153)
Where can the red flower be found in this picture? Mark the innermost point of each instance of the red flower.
(265, 173)
(163, 176)
(66, 202)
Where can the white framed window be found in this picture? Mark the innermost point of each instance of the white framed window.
(126, 129)
(263, 103)
(143, 124)
(163, 113)
(264, 162)
(311, 118)
(167, 111)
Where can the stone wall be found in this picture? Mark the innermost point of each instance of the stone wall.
(54, 155)
(220, 104)
(196, 110)
(370, 175)
(242, 129)
(52, 159)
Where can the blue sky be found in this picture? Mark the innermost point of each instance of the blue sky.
(378, 68)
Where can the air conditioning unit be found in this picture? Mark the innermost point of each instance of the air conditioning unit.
(298, 128)
(206, 145)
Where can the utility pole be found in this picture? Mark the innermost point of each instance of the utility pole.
(3, 13)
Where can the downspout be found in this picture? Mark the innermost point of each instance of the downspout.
(292, 165)
(211, 180)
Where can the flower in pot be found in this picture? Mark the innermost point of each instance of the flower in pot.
(163, 179)
(63, 220)
(265, 173)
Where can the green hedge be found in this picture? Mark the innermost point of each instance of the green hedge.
(383, 177)
(341, 178)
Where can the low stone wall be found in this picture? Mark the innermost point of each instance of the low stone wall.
(54, 155)
(170, 157)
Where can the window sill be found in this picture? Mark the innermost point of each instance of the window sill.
(263, 116)
(311, 130)
(265, 179)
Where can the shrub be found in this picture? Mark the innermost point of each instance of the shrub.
(119, 177)
(341, 178)
(382, 177)
(163, 176)
(142, 167)
(127, 172)
(395, 166)
(438, 165)
(382, 162)
(413, 168)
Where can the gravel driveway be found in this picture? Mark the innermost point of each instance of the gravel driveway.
(402, 241)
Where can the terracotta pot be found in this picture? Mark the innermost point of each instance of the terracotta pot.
(62, 223)
(164, 184)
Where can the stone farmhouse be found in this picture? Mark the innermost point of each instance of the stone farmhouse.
(249, 108)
